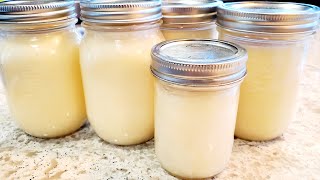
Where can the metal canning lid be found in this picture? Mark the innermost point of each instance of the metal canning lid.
(189, 11)
(40, 11)
(120, 11)
(199, 62)
(270, 17)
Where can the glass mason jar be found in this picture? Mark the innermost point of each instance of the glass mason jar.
(40, 66)
(277, 37)
(115, 61)
(189, 19)
(196, 100)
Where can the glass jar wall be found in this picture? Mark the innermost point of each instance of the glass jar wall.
(198, 126)
(40, 68)
(196, 100)
(115, 60)
(277, 53)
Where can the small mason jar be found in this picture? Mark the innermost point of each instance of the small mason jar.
(40, 66)
(196, 99)
(277, 37)
(193, 19)
(115, 61)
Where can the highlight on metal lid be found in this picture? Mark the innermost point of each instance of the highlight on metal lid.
(264, 16)
(189, 11)
(199, 62)
(120, 11)
(40, 11)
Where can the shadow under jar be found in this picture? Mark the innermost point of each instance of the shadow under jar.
(277, 37)
(39, 49)
(196, 100)
(115, 61)
(193, 19)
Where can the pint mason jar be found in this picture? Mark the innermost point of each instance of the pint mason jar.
(196, 100)
(115, 61)
(277, 37)
(40, 66)
(193, 19)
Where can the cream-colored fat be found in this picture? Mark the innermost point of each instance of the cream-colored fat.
(269, 92)
(194, 129)
(41, 73)
(185, 33)
(118, 84)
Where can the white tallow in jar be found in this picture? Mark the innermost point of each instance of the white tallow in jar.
(277, 52)
(40, 67)
(196, 99)
(115, 61)
(193, 19)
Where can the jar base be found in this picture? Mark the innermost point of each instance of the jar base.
(53, 137)
(195, 178)
(124, 144)
(259, 139)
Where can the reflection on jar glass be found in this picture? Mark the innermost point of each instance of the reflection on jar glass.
(196, 99)
(115, 61)
(40, 67)
(277, 52)
(314, 53)
(193, 19)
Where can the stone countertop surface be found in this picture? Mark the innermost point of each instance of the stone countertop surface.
(82, 155)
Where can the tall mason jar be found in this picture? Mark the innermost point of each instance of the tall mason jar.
(39, 57)
(194, 19)
(115, 61)
(277, 37)
(196, 100)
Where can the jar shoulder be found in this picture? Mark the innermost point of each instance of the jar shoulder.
(47, 38)
(39, 47)
(112, 36)
(120, 42)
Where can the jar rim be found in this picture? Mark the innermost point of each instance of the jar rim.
(120, 12)
(197, 26)
(204, 87)
(124, 28)
(189, 12)
(272, 17)
(36, 12)
(265, 37)
(37, 27)
(199, 62)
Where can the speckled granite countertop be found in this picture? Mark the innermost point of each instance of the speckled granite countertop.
(295, 155)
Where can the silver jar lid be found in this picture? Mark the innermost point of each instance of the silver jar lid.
(120, 11)
(199, 62)
(36, 11)
(270, 17)
(189, 11)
